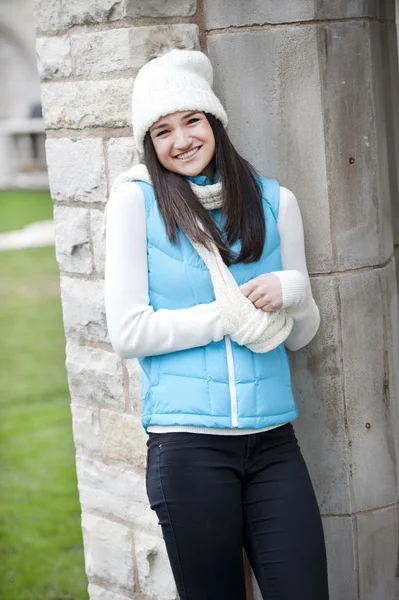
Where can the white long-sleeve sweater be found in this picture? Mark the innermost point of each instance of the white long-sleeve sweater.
(135, 329)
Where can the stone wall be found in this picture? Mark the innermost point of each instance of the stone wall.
(315, 108)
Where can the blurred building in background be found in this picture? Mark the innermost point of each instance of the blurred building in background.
(22, 156)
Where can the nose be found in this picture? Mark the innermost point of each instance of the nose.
(182, 140)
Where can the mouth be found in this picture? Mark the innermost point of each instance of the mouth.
(188, 155)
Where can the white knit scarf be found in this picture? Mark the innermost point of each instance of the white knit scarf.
(249, 326)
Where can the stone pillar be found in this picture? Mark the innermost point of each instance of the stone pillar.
(305, 87)
(89, 52)
(315, 111)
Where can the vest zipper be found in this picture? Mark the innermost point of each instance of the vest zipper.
(232, 384)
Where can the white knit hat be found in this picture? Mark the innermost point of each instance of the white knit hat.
(174, 81)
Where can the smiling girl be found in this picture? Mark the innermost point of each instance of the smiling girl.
(206, 284)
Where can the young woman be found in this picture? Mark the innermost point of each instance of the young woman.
(206, 282)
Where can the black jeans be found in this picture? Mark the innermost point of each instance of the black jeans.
(215, 494)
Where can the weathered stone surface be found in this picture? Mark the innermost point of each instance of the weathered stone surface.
(317, 386)
(256, 593)
(378, 554)
(389, 289)
(390, 73)
(155, 8)
(98, 593)
(72, 239)
(307, 93)
(53, 57)
(108, 551)
(115, 49)
(115, 491)
(76, 170)
(355, 130)
(83, 308)
(155, 575)
(81, 104)
(58, 14)
(86, 428)
(367, 383)
(134, 373)
(276, 121)
(98, 239)
(123, 438)
(102, 52)
(122, 154)
(95, 376)
(341, 544)
(219, 13)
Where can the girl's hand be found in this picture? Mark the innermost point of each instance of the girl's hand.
(264, 292)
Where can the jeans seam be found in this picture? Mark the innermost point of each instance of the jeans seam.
(263, 577)
(170, 521)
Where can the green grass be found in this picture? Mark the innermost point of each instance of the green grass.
(21, 207)
(41, 552)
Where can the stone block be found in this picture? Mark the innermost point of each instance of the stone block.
(341, 543)
(115, 49)
(388, 281)
(95, 376)
(256, 593)
(396, 252)
(317, 386)
(122, 154)
(76, 170)
(101, 52)
(98, 593)
(123, 438)
(154, 572)
(305, 121)
(388, 45)
(378, 554)
(134, 374)
(86, 428)
(155, 8)
(53, 57)
(108, 551)
(116, 492)
(367, 384)
(72, 239)
(355, 143)
(277, 120)
(219, 14)
(59, 14)
(98, 240)
(83, 308)
(82, 104)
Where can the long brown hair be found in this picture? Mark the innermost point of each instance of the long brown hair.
(242, 201)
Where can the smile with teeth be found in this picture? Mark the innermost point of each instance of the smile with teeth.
(188, 154)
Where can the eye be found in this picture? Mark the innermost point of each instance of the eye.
(193, 120)
(161, 132)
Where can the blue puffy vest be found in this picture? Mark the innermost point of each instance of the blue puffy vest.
(221, 384)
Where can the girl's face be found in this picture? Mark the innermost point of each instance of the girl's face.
(184, 143)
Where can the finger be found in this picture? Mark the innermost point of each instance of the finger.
(267, 308)
(248, 287)
(261, 302)
(256, 295)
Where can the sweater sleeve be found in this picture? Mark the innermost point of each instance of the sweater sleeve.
(134, 327)
(297, 294)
